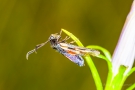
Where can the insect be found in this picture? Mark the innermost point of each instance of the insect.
(72, 52)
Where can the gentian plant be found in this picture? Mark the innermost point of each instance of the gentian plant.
(120, 64)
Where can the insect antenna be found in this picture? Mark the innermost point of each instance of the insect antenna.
(36, 48)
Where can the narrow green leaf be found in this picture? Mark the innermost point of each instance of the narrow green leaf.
(108, 61)
(132, 87)
(118, 79)
(130, 72)
(105, 51)
(107, 58)
(89, 62)
(73, 37)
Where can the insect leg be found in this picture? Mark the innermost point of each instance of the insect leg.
(71, 42)
(66, 38)
(60, 32)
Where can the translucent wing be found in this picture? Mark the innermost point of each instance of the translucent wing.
(72, 57)
(79, 50)
(75, 58)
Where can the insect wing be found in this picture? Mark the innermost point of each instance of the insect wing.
(75, 58)
(79, 50)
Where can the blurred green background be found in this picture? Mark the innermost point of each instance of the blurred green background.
(26, 23)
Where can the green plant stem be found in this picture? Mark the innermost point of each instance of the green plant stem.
(117, 81)
(110, 74)
(89, 62)
(131, 87)
(107, 58)
(105, 51)
(128, 74)
(94, 73)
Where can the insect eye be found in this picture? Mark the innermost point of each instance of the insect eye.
(51, 37)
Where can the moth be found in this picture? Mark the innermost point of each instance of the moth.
(72, 52)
